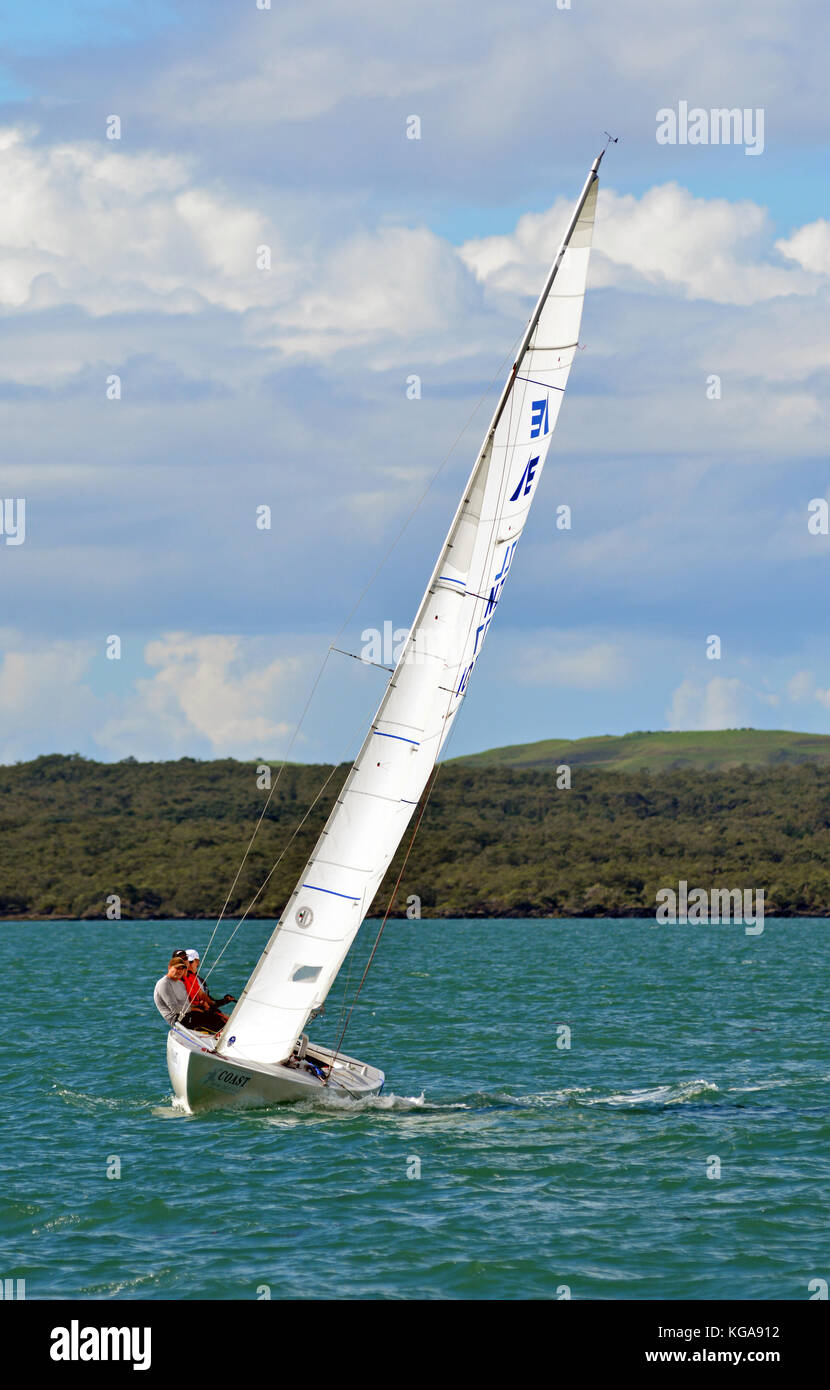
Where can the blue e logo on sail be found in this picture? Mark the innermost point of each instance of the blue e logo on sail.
(539, 418)
(526, 479)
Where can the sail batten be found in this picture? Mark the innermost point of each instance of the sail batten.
(431, 679)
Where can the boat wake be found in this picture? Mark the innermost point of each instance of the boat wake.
(650, 1097)
(660, 1096)
(676, 1094)
(81, 1100)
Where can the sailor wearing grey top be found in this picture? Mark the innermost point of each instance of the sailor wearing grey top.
(170, 995)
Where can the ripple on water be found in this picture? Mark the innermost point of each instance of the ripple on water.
(535, 1167)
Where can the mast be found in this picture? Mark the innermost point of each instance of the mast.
(335, 891)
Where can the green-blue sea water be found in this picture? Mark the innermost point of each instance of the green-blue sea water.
(560, 1099)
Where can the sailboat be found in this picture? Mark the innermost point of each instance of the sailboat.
(262, 1055)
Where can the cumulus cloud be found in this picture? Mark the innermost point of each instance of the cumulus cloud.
(803, 687)
(209, 689)
(214, 696)
(809, 247)
(668, 240)
(289, 131)
(395, 287)
(721, 703)
(111, 230)
(38, 680)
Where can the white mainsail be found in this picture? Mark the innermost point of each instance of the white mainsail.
(300, 963)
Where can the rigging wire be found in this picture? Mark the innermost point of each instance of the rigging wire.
(295, 832)
(506, 465)
(497, 375)
(508, 398)
(510, 403)
(432, 780)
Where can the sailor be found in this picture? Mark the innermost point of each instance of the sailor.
(195, 989)
(195, 985)
(170, 995)
(203, 1011)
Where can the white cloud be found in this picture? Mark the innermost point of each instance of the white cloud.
(397, 287)
(721, 703)
(45, 704)
(207, 688)
(121, 231)
(217, 696)
(809, 246)
(803, 686)
(294, 78)
(667, 240)
(560, 660)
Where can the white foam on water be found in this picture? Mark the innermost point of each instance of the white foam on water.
(175, 1109)
(669, 1094)
(766, 1085)
(84, 1101)
(69, 1220)
(112, 1290)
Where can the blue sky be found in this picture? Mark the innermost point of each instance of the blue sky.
(390, 257)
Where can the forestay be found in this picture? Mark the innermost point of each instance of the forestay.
(337, 887)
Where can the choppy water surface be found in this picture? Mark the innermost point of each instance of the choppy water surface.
(541, 1166)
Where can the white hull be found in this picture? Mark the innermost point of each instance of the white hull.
(204, 1079)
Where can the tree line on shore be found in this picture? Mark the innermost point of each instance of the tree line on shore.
(166, 839)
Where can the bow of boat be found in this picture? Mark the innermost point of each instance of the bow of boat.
(204, 1079)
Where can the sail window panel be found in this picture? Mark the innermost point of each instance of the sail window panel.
(274, 987)
(305, 974)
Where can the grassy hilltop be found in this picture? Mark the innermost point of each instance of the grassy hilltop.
(496, 839)
(664, 752)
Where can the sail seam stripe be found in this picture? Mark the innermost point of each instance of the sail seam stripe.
(544, 384)
(400, 737)
(335, 864)
(377, 796)
(351, 897)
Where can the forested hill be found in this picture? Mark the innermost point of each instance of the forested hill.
(664, 752)
(167, 838)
